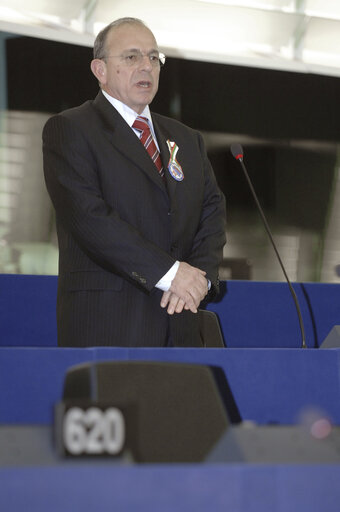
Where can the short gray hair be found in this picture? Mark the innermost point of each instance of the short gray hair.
(100, 41)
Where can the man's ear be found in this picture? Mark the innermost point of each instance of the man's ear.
(98, 68)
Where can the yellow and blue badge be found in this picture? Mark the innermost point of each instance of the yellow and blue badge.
(174, 167)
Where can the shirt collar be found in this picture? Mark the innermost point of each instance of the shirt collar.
(128, 114)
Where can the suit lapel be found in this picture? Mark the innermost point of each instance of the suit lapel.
(125, 141)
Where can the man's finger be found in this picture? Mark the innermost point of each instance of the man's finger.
(180, 306)
(172, 304)
(165, 299)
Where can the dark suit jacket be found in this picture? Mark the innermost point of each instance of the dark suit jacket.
(120, 227)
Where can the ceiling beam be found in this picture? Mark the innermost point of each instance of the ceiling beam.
(87, 16)
(300, 30)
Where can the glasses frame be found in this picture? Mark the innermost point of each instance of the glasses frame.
(160, 58)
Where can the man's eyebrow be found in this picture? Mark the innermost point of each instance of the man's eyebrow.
(153, 50)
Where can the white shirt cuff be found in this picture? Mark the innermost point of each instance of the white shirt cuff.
(165, 282)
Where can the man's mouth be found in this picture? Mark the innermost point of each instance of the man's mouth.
(144, 84)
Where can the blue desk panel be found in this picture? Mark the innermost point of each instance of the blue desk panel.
(268, 385)
(252, 314)
(262, 314)
(164, 488)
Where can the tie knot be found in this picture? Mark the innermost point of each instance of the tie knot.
(141, 124)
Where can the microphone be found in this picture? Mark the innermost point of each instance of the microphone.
(237, 152)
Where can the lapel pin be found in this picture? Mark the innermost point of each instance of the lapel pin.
(174, 167)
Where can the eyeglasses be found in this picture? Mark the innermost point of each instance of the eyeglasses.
(133, 58)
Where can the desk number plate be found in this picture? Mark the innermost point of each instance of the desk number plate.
(90, 429)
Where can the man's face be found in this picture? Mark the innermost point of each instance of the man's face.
(136, 84)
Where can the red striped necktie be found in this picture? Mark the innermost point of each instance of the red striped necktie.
(142, 125)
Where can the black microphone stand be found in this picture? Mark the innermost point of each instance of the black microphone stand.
(237, 152)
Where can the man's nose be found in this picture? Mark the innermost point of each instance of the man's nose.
(145, 62)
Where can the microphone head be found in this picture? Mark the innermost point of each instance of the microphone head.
(237, 151)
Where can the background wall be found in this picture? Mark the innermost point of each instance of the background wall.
(287, 122)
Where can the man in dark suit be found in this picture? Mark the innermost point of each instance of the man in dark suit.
(139, 245)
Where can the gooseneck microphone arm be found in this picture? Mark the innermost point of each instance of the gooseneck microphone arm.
(237, 152)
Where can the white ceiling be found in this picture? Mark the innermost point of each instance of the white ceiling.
(296, 35)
